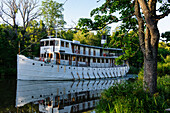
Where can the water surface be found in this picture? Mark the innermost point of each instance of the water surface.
(52, 96)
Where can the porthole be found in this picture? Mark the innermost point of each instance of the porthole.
(82, 68)
(40, 95)
(33, 63)
(32, 96)
(51, 94)
(61, 67)
(69, 67)
(60, 92)
(52, 66)
(74, 68)
(41, 64)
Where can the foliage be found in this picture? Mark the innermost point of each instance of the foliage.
(163, 51)
(52, 14)
(9, 45)
(129, 97)
(133, 70)
(8, 48)
(164, 68)
(68, 35)
(129, 43)
(166, 35)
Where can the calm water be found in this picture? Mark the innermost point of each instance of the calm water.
(52, 96)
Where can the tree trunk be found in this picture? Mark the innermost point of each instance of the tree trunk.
(150, 75)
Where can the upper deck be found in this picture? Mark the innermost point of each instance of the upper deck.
(58, 45)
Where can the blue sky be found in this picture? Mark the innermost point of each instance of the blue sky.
(75, 9)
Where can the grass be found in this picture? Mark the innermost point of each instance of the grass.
(129, 97)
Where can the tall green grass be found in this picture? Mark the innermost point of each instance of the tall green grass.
(129, 97)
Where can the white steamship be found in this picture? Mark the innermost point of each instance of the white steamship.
(62, 59)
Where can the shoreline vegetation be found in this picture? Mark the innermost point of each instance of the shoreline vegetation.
(129, 97)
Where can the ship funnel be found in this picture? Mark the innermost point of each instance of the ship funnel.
(103, 40)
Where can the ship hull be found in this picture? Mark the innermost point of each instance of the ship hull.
(29, 69)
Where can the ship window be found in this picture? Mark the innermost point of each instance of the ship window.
(98, 60)
(81, 59)
(106, 60)
(46, 43)
(102, 60)
(62, 56)
(67, 44)
(56, 43)
(66, 57)
(42, 43)
(51, 42)
(62, 43)
(94, 60)
(84, 59)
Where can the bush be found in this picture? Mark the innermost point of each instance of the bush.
(129, 97)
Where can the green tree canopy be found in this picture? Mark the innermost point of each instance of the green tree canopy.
(52, 14)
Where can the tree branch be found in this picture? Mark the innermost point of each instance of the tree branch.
(141, 26)
(158, 17)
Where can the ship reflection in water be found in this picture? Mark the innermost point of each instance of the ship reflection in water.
(62, 96)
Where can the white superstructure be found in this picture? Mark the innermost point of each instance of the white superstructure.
(69, 60)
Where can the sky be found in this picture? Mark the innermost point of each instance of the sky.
(75, 9)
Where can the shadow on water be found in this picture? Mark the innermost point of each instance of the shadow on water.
(52, 96)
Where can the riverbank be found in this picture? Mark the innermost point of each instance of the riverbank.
(130, 97)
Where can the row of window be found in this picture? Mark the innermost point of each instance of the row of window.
(54, 43)
(83, 59)
(49, 43)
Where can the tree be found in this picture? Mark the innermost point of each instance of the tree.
(166, 35)
(139, 16)
(28, 10)
(130, 47)
(51, 11)
(11, 13)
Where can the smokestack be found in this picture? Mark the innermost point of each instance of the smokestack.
(103, 40)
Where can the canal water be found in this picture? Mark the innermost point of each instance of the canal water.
(18, 96)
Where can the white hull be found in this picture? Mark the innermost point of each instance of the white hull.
(28, 69)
